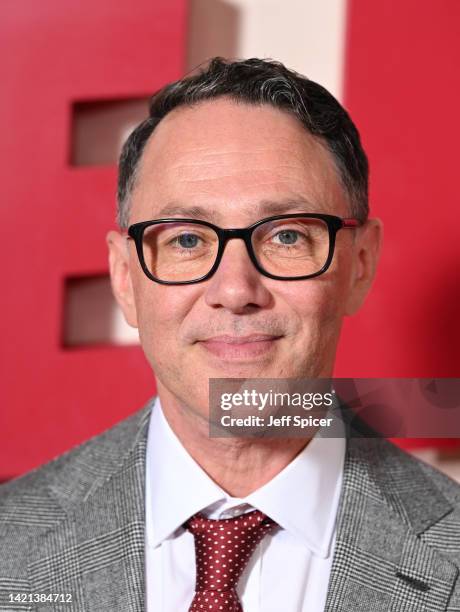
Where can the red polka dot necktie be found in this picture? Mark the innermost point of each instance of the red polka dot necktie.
(222, 550)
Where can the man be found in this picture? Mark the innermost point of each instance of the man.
(156, 515)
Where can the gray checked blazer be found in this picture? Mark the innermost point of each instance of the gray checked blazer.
(76, 526)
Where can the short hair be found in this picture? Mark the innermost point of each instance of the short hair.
(256, 81)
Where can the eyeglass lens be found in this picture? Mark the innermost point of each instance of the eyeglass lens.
(182, 251)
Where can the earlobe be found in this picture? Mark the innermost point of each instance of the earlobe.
(368, 246)
(120, 276)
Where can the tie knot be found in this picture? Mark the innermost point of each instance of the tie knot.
(223, 548)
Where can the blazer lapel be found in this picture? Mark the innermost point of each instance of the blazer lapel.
(96, 553)
(380, 560)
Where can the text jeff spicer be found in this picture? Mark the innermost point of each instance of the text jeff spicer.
(284, 421)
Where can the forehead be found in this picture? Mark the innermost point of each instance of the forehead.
(231, 160)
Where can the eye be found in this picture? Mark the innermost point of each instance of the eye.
(287, 236)
(187, 241)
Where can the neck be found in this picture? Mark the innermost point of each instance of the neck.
(238, 465)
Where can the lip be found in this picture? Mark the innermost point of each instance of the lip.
(239, 347)
(241, 339)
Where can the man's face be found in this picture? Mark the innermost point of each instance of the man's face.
(238, 163)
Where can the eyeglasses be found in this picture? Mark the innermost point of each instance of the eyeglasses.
(285, 247)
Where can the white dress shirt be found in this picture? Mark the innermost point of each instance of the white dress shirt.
(289, 569)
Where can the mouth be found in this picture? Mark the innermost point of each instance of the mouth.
(239, 347)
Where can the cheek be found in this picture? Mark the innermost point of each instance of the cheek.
(330, 293)
(161, 311)
(344, 258)
(315, 303)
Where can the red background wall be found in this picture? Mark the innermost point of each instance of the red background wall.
(55, 217)
(402, 88)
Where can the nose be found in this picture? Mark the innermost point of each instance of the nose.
(237, 285)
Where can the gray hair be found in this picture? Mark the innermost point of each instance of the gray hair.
(256, 81)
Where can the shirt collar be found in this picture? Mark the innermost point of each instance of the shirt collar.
(302, 498)
(176, 487)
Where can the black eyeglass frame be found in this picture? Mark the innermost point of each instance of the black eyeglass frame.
(334, 224)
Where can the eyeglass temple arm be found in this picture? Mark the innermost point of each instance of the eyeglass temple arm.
(349, 223)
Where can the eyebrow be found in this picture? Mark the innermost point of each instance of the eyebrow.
(274, 207)
(194, 212)
(264, 207)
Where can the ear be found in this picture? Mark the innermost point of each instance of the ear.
(367, 247)
(120, 275)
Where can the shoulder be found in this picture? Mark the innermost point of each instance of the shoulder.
(430, 500)
(426, 500)
(410, 472)
(39, 498)
(396, 471)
